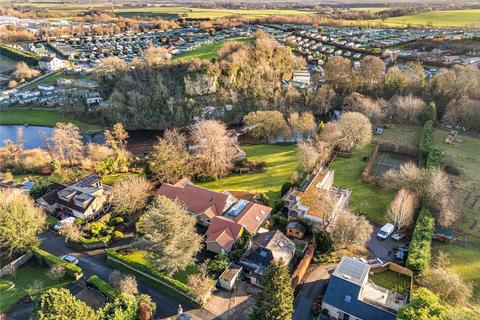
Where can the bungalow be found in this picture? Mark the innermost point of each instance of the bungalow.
(84, 199)
(305, 203)
(351, 295)
(267, 246)
(225, 216)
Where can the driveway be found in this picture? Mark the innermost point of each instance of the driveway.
(381, 248)
(93, 262)
(310, 289)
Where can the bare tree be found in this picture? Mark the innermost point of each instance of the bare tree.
(350, 228)
(123, 283)
(98, 152)
(111, 64)
(442, 196)
(71, 232)
(324, 151)
(213, 150)
(117, 137)
(56, 272)
(156, 55)
(356, 130)
(370, 73)
(370, 108)
(130, 194)
(266, 125)
(170, 158)
(320, 101)
(201, 284)
(67, 142)
(407, 109)
(408, 176)
(23, 72)
(402, 208)
(307, 156)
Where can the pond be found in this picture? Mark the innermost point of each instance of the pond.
(34, 136)
(139, 141)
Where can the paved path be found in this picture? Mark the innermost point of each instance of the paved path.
(310, 289)
(93, 262)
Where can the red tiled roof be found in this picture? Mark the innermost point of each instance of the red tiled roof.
(223, 231)
(195, 198)
(253, 216)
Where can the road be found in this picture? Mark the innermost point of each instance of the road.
(310, 289)
(93, 262)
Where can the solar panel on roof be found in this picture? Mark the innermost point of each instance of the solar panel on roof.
(352, 268)
(237, 208)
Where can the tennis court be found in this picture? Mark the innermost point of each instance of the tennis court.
(389, 160)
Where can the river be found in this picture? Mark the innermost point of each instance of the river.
(139, 142)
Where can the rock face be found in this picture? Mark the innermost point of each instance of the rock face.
(200, 84)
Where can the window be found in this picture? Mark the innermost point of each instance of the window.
(348, 298)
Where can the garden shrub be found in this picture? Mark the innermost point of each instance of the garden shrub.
(218, 265)
(79, 222)
(419, 254)
(94, 241)
(117, 235)
(324, 242)
(434, 158)
(426, 138)
(103, 287)
(96, 228)
(286, 187)
(49, 259)
(116, 221)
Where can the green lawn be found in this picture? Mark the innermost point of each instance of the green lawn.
(391, 280)
(402, 134)
(23, 280)
(465, 260)
(182, 276)
(367, 199)
(446, 18)
(208, 51)
(281, 162)
(42, 117)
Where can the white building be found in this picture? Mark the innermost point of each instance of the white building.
(49, 63)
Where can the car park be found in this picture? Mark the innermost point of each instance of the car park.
(385, 231)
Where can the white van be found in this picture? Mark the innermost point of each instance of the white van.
(61, 223)
(386, 231)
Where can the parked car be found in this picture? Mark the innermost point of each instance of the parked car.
(70, 259)
(401, 253)
(61, 223)
(398, 235)
(385, 231)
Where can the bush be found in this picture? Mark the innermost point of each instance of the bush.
(79, 222)
(218, 265)
(430, 112)
(286, 187)
(116, 221)
(434, 158)
(49, 259)
(426, 138)
(96, 228)
(103, 287)
(279, 220)
(419, 254)
(144, 268)
(56, 272)
(95, 240)
(324, 242)
(117, 235)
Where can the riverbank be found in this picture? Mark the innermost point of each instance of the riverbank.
(43, 117)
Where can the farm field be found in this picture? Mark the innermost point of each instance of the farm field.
(366, 199)
(281, 162)
(42, 117)
(208, 51)
(454, 18)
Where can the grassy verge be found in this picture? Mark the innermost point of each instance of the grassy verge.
(23, 280)
(367, 199)
(42, 117)
(208, 51)
(281, 163)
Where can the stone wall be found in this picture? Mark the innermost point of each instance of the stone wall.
(15, 264)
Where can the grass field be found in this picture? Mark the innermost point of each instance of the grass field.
(366, 199)
(208, 51)
(42, 117)
(447, 18)
(391, 280)
(23, 280)
(281, 163)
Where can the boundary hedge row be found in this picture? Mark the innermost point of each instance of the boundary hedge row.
(434, 158)
(426, 138)
(143, 268)
(103, 287)
(19, 55)
(72, 270)
(420, 254)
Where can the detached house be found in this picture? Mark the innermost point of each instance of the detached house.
(85, 199)
(225, 216)
(50, 63)
(308, 201)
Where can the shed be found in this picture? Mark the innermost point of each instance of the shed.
(295, 229)
(229, 277)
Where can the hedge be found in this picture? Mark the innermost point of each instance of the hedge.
(19, 55)
(72, 270)
(426, 138)
(103, 287)
(144, 268)
(419, 254)
(94, 241)
(434, 158)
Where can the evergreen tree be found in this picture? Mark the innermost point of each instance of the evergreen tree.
(275, 300)
(430, 112)
(60, 304)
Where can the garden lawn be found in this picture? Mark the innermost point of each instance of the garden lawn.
(367, 199)
(42, 117)
(391, 280)
(182, 276)
(208, 51)
(23, 280)
(400, 133)
(465, 261)
(281, 161)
